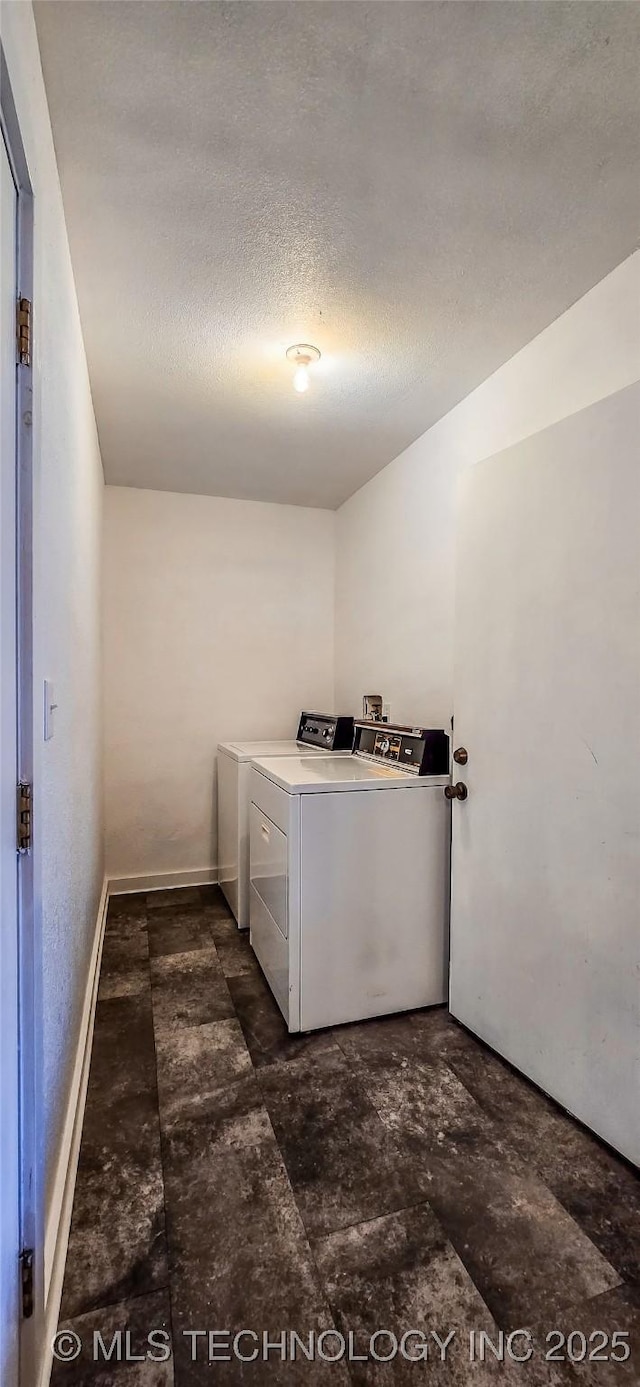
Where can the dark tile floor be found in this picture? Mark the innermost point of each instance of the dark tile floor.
(389, 1176)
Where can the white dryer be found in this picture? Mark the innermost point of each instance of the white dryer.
(319, 734)
(349, 866)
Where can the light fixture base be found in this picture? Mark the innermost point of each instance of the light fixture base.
(303, 354)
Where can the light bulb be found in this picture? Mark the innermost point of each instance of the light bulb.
(302, 356)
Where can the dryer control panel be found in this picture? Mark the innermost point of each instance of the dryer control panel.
(326, 730)
(425, 751)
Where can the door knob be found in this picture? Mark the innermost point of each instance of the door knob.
(458, 791)
(461, 755)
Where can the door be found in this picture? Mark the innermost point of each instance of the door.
(9, 1041)
(545, 926)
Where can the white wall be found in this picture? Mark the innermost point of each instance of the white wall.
(396, 536)
(218, 625)
(67, 542)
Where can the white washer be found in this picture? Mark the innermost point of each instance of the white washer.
(349, 864)
(319, 734)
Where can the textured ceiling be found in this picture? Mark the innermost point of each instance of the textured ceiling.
(417, 188)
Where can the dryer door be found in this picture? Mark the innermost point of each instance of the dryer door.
(268, 906)
(269, 867)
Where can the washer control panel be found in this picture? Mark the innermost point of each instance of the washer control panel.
(422, 750)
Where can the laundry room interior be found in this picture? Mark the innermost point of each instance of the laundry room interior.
(320, 601)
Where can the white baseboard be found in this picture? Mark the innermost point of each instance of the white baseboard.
(58, 1220)
(159, 881)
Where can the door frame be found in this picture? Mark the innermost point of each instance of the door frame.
(29, 909)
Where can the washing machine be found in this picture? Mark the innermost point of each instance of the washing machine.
(319, 734)
(349, 877)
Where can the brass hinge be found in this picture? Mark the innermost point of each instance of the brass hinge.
(26, 1282)
(24, 817)
(24, 331)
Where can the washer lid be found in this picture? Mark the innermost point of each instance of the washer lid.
(302, 775)
(247, 751)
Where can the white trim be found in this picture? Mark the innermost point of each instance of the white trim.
(204, 876)
(59, 1213)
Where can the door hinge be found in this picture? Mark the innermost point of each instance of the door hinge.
(24, 809)
(26, 1282)
(23, 329)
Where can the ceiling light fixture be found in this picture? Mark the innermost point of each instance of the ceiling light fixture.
(302, 356)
